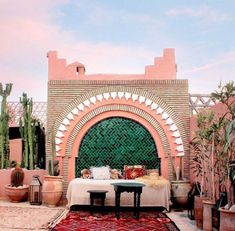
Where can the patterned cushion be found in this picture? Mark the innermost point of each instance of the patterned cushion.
(132, 172)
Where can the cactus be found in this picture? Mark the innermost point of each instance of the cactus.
(4, 127)
(17, 177)
(28, 132)
(53, 168)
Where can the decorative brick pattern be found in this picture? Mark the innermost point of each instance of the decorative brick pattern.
(171, 95)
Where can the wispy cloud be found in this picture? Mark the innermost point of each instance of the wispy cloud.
(218, 62)
(203, 13)
(206, 78)
(26, 38)
(103, 15)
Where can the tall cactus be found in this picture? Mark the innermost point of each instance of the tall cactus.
(4, 127)
(28, 132)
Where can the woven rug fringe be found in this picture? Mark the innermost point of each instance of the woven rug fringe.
(56, 220)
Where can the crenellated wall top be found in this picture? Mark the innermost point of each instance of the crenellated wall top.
(163, 68)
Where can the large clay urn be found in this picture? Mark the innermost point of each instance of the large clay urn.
(227, 220)
(207, 215)
(198, 211)
(52, 190)
(179, 192)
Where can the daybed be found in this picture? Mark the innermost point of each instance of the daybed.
(153, 195)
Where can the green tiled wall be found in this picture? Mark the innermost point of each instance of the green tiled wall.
(117, 142)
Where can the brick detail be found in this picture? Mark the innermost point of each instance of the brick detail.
(171, 95)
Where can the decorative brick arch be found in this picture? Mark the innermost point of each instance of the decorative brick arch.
(83, 113)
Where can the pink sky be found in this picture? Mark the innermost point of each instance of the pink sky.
(29, 29)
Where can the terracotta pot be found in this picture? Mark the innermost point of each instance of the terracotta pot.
(180, 191)
(227, 220)
(17, 194)
(52, 190)
(207, 215)
(198, 211)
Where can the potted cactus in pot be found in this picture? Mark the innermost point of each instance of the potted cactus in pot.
(16, 190)
(52, 189)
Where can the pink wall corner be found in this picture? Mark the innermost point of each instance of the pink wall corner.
(5, 176)
(58, 68)
(164, 67)
(16, 150)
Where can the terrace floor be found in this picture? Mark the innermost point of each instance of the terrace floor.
(23, 216)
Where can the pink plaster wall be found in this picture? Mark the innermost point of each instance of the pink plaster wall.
(5, 176)
(163, 68)
(16, 150)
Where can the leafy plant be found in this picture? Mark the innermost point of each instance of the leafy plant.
(226, 95)
(203, 145)
(4, 127)
(211, 161)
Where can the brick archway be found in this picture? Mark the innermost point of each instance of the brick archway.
(73, 127)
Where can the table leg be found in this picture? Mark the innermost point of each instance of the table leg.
(102, 201)
(117, 204)
(135, 205)
(91, 205)
(138, 206)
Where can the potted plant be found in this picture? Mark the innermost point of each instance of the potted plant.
(17, 191)
(208, 146)
(179, 186)
(200, 148)
(227, 213)
(52, 189)
(221, 154)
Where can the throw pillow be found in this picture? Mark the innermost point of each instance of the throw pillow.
(114, 173)
(132, 172)
(85, 174)
(100, 173)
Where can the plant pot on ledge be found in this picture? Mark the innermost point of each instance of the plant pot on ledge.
(17, 194)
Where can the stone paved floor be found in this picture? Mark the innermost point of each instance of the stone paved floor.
(182, 221)
(179, 217)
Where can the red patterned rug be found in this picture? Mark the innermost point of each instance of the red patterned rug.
(82, 221)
